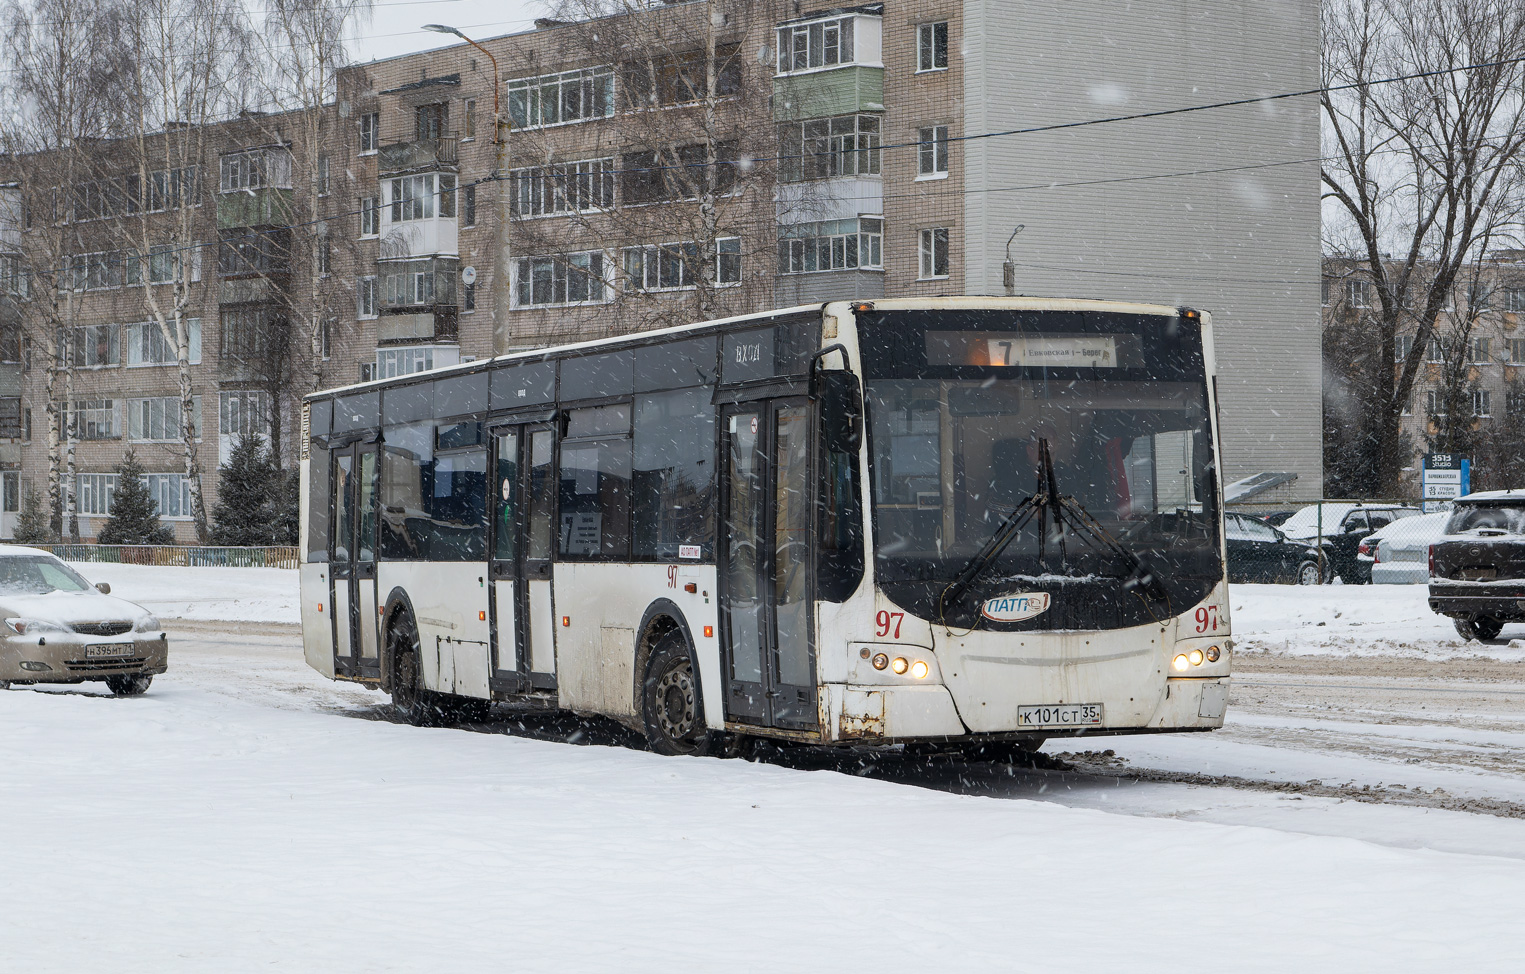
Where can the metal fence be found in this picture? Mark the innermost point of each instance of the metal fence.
(182, 556)
(1363, 541)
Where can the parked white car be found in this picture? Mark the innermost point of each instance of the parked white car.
(55, 627)
(1400, 553)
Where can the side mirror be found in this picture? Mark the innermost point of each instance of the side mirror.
(841, 403)
(103, 587)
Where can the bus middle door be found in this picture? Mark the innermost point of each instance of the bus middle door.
(353, 562)
(523, 517)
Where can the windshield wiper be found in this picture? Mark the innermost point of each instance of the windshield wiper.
(1047, 503)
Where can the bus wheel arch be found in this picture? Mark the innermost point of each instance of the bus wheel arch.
(666, 668)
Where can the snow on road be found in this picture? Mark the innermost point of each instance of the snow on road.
(248, 815)
(256, 824)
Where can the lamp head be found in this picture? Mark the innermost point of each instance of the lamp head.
(442, 29)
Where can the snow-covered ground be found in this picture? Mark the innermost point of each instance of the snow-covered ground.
(221, 594)
(248, 815)
(240, 817)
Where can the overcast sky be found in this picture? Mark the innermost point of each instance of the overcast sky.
(394, 27)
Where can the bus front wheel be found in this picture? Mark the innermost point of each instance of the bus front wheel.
(670, 703)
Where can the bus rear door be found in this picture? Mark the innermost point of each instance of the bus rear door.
(765, 575)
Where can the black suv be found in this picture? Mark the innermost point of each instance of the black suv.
(1345, 525)
(1477, 569)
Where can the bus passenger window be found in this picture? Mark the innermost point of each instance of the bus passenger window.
(595, 484)
(542, 498)
(318, 472)
(673, 482)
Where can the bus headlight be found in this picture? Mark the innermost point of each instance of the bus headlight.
(1195, 656)
(1213, 653)
(881, 661)
(919, 669)
(900, 666)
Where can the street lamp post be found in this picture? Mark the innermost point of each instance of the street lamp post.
(502, 261)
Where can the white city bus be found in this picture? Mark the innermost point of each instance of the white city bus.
(947, 521)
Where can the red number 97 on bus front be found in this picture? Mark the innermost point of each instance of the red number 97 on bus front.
(1207, 618)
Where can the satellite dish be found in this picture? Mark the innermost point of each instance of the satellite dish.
(468, 275)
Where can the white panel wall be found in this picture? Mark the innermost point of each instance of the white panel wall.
(1241, 244)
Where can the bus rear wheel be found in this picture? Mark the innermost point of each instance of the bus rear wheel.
(411, 701)
(670, 707)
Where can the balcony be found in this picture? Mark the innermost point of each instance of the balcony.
(270, 206)
(431, 325)
(420, 155)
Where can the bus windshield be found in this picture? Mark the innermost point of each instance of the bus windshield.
(956, 419)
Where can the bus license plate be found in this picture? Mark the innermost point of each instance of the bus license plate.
(108, 649)
(1059, 715)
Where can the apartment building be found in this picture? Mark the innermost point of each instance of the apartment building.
(1475, 366)
(696, 160)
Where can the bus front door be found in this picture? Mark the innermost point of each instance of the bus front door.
(524, 492)
(353, 561)
(765, 596)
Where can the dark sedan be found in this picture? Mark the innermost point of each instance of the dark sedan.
(1258, 552)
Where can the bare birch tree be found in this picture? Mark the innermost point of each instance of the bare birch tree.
(190, 70)
(64, 64)
(1418, 175)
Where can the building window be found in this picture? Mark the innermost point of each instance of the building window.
(1514, 299)
(242, 413)
(431, 121)
(1324, 292)
(256, 169)
(469, 297)
(1482, 403)
(93, 493)
(326, 338)
(325, 256)
(365, 298)
(171, 493)
(415, 283)
(367, 371)
(469, 205)
(932, 46)
(1517, 351)
(583, 186)
(671, 266)
(679, 79)
(1358, 294)
(1477, 351)
(249, 333)
(820, 148)
(469, 119)
(934, 253)
(244, 252)
(1434, 403)
(555, 99)
(562, 279)
(370, 132)
(1402, 345)
(370, 216)
(10, 418)
(1479, 296)
(413, 197)
(157, 420)
(392, 362)
(1436, 351)
(833, 245)
(146, 344)
(95, 419)
(651, 177)
(94, 346)
(323, 183)
(932, 152)
(818, 44)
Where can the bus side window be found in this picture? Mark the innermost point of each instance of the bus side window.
(594, 500)
(318, 472)
(673, 478)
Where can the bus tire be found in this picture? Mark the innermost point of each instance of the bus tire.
(412, 702)
(670, 707)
